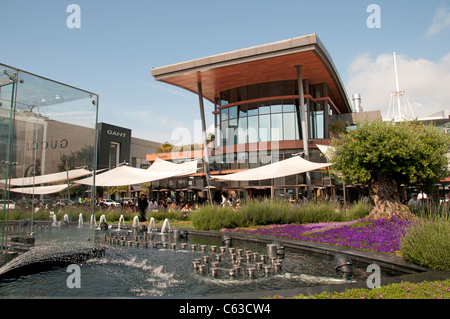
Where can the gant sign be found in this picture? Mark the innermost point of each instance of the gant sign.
(115, 133)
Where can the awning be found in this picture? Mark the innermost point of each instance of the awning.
(124, 175)
(39, 190)
(48, 178)
(290, 166)
(326, 150)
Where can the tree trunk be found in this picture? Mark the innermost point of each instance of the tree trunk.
(386, 197)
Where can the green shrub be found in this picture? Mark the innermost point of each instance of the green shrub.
(264, 212)
(357, 210)
(161, 215)
(212, 218)
(403, 290)
(427, 244)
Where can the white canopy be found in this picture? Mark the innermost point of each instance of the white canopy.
(39, 190)
(326, 150)
(124, 175)
(49, 178)
(290, 166)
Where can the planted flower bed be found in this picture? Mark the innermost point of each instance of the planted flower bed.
(375, 235)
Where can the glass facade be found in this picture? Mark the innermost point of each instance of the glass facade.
(276, 120)
(275, 116)
(46, 128)
(265, 114)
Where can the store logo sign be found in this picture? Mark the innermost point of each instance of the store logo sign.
(114, 133)
(44, 145)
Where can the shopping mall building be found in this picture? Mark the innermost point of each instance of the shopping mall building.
(271, 102)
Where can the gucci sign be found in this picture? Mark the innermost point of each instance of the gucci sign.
(63, 143)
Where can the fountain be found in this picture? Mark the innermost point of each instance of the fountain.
(165, 225)
(217, 266)
(55, 221)
(151, 225)
(102, 223)
(48, 256)
(136, 221)
(121, 219)
(93, 223)
(80, 220)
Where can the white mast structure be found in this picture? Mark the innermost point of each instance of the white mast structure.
(399, 107)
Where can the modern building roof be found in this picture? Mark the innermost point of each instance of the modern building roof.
(259, 64)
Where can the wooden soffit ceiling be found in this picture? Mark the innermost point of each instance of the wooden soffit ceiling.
(242, 68)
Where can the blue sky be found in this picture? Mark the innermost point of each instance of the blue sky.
(120, 41)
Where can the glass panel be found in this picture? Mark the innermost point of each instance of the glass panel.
(288, 108)
(252, 109)
(265, 157)
(232, 112)
(289, 126)
(243, 110)
(224, 131)
(231, 160)
(276, 108)
(46, 128)
(319, 124)
(242, 130)
(277, 127)
(252, 129)
(242, 159)
(232, 131)
(264, 109)
(253, 159)
(264, 128)
(224, 98)
(224, 114)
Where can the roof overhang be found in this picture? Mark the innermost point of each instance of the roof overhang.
(264, 63)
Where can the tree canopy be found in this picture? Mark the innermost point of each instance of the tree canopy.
(385, 155)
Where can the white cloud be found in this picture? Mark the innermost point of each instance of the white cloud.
(441, 21)
(427, 83)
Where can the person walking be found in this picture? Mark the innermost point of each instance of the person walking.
(143, 204)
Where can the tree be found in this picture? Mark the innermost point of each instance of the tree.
(165, 148)
(385, 155)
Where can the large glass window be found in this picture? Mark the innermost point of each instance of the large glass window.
(252, 129)
(271, 120)
(277, 127)
(232, 112)
(224, 114)
(264, 128)
(242, 130)
(224, 132)
(289, 126)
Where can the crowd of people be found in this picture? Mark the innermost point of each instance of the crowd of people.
(421, 199)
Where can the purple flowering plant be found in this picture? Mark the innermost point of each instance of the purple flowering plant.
(381, 235)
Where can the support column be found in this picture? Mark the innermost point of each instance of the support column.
(205, 147)
(304, 121)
